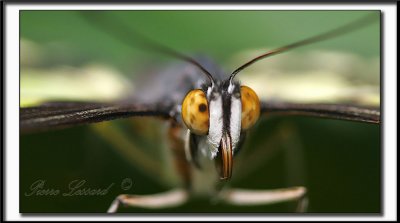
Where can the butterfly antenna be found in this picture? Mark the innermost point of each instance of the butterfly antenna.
(127, 35)
(357, 24)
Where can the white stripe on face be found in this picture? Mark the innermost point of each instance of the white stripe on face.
(235, 121)
(216, 122)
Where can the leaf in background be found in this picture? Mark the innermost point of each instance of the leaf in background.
(90, 82)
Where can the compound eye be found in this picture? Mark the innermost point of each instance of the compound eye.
(250, 107)
(195, 113)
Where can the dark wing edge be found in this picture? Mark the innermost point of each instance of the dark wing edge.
(54, 115)
(331, 111)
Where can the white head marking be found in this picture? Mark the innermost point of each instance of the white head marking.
(216, 122)
(235, 121)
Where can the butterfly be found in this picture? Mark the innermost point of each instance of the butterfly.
(209, 114)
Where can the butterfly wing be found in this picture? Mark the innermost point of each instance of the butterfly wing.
(63, 114)
(332, 111)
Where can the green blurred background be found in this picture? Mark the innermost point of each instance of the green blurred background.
(338, 161)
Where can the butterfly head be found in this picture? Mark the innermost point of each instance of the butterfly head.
(221, 112)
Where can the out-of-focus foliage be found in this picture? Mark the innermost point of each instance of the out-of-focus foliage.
(66, 46)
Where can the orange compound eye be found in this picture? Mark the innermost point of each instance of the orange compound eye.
(195, 113)
(250, 107)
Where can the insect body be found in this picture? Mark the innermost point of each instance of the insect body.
(210, 118)
(209, 113)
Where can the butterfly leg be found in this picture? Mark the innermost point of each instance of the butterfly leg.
(167, 199)
(244, 197)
